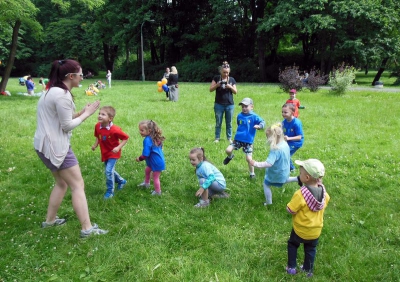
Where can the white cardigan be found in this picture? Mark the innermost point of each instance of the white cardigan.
(54, 124)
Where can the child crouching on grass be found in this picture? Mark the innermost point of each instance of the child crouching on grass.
(307, 207)
(108, 135)
(278, 162)
(212, 182)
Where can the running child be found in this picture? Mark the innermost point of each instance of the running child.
(292, 129)
(212, 182)
(248, 122)
(152, 154)
(307, 207)
(108, 136)
(277, 164)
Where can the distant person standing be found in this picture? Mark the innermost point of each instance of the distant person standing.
(166, 76)
(225, 87)
(108, 76)
(173, 85)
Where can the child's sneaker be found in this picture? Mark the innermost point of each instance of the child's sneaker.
(309, 274)
(154, 193)
(95, 230)
(252, 176)
(121, 184)
(228, 159)
(291, 271)
(202, 204)
(222, 195)
(108, 195)
(57, 222)
(144, 185)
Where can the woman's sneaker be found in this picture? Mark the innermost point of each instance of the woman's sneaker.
(95, 230)
(57, 222)
(202, 204)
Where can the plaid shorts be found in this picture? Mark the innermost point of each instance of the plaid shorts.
(246, 147)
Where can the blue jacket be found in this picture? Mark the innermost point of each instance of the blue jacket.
(246, 131)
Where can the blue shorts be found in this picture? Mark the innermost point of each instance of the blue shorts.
(279, 185)
(69, 161)
(246, 147)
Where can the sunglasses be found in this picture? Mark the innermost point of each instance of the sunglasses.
(225, 66)
(80, 74)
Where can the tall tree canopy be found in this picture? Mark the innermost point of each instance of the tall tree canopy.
(258, 37)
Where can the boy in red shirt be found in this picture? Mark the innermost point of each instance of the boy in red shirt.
(108, 135)
(293, 100)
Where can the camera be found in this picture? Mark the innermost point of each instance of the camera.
(223, 83)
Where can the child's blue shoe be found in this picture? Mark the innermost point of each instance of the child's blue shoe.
(108, 195)
(122, 184)
(291, 271)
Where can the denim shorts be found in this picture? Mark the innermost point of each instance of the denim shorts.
(69, 161)
(246, 147)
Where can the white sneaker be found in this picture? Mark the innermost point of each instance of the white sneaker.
(95, 230)
(144, 185)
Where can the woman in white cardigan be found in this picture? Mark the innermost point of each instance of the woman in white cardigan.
(56, 117)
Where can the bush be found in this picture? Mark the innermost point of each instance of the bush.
(315, 80)
(342, 78)
(289, 79)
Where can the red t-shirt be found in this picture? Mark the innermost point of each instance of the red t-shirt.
(296, 103)
(108, 140)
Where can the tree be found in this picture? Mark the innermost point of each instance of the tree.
(16, 14)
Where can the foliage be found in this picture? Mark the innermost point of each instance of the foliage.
(341, 78)
(315, 80)
(289, 79)
(235, 239)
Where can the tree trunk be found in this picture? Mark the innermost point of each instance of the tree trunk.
(10, 61)
(110, 53)
(380, 71)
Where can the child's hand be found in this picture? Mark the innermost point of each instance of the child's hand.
(94, 147)
(257, 126)
(252, 162)
(200, 192)
(285, 137)
(115, 150)
(137, 159)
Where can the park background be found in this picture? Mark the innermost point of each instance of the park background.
(257, 37)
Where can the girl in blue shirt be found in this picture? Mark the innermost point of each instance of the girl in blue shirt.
(278, 162)
(152, 154)
(212, 182)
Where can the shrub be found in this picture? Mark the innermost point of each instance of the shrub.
(289, 79)
(341, 78)
(315, 80)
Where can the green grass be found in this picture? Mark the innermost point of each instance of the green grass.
(164, 238)
(365, 80)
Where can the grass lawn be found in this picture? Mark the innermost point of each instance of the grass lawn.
(365, 80)
(164, 238)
